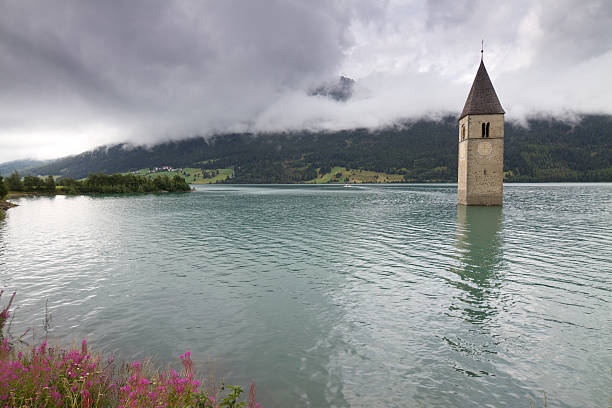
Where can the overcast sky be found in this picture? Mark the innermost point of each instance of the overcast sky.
(75, 74)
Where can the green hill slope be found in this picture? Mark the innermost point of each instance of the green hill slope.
(21, 166)
(423, 151)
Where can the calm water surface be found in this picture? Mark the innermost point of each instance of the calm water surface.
(373, 296)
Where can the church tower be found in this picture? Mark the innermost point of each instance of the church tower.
(481, 145)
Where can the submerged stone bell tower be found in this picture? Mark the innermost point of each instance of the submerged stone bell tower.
(481, 144)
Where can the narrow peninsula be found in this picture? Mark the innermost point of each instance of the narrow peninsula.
(15, 186)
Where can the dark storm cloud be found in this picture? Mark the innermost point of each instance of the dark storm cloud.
(145, 70)
(75, 74)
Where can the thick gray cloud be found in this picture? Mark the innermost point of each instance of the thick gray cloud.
(75, 74)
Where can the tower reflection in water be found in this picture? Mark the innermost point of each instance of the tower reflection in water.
(479, 252)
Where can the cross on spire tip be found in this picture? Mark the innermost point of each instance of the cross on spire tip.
(481, 50)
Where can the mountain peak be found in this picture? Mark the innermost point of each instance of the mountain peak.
(340, 91)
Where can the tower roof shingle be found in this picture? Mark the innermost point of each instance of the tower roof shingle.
(482, 99)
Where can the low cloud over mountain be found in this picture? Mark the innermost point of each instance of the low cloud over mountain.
(75, 74)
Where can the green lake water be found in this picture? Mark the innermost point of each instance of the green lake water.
(369, 296)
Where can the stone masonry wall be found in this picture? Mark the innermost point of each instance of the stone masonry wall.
(480, 178)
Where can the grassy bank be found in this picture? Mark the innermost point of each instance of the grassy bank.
(336, 174)
(192, 175)
(44, 376)
(339, 174)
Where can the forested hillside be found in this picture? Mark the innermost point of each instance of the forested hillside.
(22, 166)
(545, 150)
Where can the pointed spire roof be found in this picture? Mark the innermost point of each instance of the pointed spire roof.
(482, 99)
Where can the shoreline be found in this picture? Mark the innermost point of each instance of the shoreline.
(5, 205)
(20, 194)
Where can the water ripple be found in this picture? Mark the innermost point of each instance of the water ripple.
(381, 296)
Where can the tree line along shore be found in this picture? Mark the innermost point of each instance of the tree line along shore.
(93, 184)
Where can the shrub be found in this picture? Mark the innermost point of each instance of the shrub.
(3, 188)
(58, 377)
(54, 378)
(124, 183)
(14, 182)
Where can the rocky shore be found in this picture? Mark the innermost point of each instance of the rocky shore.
(5, 205)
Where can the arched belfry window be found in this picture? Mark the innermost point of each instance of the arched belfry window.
(488, 123)
(462, 132)
(484, 129)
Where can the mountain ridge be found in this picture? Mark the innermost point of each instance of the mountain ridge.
(424, 150)
(21, 166)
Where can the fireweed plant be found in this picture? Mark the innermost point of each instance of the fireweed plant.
(74, 377)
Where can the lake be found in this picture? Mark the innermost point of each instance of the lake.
(369, 296)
